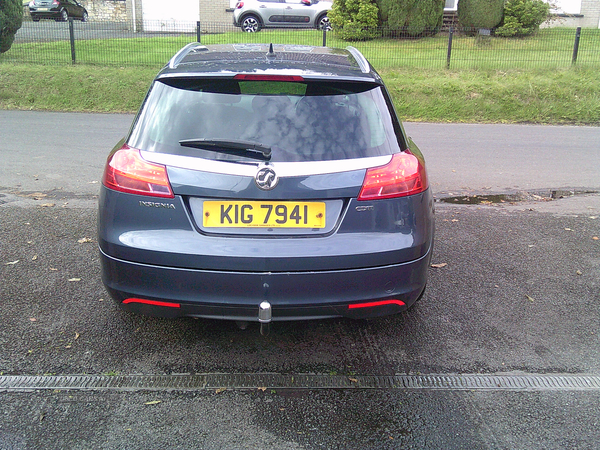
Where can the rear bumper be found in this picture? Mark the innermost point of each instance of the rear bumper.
(172, 292)
(51, 14)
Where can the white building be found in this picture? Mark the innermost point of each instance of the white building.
(572, 13)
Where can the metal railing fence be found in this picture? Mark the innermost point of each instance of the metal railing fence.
(117, 44)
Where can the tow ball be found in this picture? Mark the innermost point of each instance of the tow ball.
(264, 317)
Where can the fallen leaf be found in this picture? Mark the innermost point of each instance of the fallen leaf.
(77, 335)
(153, 402)
(531, 299)
(262, 389)
(439, 266)
(354, 380)
(68, 346)
(52, 268)
(579, 272)
(454, 220)
(568, 229)
(84, 240)
(12, 263)
(218, 391)
(34, 257)
(595, 238)
(32, 319)
(47, 205)
(74, 279)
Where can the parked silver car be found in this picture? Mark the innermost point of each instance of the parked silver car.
(253, 15)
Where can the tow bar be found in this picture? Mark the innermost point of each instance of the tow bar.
(264, 317)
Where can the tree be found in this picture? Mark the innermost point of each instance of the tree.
(11, 19)
(523, 17)
(354, 20)
(413, 17)
(480, 13)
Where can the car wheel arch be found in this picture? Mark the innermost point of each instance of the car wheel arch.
(320, 18)
(254, 15)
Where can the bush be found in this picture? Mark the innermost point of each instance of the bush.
(477, 14)
(11, 19)
(412, 17)
(354, 20)
(523, 17)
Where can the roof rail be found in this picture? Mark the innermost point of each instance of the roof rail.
(360, 59)
(176, 60)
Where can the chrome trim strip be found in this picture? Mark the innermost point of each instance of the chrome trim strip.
(284, 169)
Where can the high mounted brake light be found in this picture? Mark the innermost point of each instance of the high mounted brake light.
(403, 175)
(255, 77)
(127, 171)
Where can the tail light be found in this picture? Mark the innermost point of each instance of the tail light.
(127, 171)
(239, 5)
(403, 175)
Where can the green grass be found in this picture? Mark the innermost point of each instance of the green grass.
(74, 88)
(485, 82)
(565, 96)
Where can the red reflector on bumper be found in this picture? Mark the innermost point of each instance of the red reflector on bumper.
(378, 303)
(151, 302)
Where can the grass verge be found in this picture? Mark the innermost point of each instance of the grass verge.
(560, 96)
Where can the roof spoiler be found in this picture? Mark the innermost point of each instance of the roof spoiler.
(176, 60)
(360, 59)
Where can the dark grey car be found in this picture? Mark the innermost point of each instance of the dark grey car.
(59, 10)
(266, 183)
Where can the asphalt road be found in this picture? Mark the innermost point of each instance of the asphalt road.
(519, 294)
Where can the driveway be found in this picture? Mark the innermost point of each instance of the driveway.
(502, 352)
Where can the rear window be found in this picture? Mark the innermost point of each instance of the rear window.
(300, 121)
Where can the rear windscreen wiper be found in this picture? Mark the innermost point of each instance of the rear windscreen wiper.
(231, 147)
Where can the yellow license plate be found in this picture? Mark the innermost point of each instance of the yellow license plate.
(263, 214)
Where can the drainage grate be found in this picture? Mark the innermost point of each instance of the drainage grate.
(307, 381)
